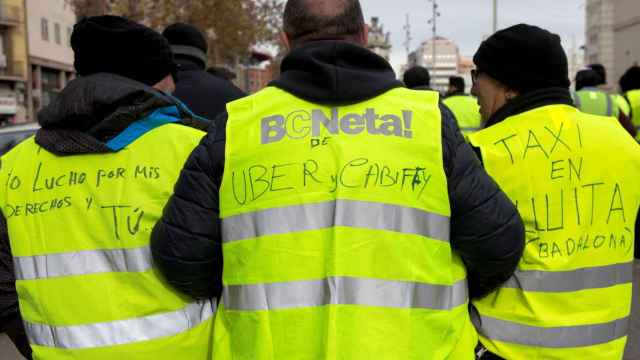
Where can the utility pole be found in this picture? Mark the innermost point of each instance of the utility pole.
(434, 29)
(495, 16)
(407, 36)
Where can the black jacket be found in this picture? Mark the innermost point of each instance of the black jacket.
(88, 113)
(206, 95)
(486, 229)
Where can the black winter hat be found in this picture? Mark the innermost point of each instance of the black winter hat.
(112, 44)
(457, 81)
(525, 58)
(187, 40)
(631, 79)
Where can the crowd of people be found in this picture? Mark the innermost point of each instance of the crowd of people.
(339, 213)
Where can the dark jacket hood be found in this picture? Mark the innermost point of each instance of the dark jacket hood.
(92, 110)
(335, 72)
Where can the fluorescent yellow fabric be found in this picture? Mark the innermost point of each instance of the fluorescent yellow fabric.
(335, 227)
(622, 103)
(634, 102)
(467, 112)
(79, 228)
(570, 297)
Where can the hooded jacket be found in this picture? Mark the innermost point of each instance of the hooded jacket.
(486, 229)
(204, 94)
(89, 113)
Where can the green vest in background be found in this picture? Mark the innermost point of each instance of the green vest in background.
(467, 112)
(596, 102)
(79, 228)
(622, 104)
(570, 297)
(634, 102)
(336, 225)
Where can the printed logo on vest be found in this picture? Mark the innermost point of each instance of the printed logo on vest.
(301, 124)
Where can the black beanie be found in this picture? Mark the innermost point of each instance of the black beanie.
(187, 40)
(525, 58)
(631, 79)
(112, 44)
(457, 81)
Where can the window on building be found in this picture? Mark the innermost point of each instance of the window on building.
(44, 24)
(56, 33)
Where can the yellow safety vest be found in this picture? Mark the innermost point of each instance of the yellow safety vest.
(596, 102)
(634, 101)
(79, 228)
(335, 225)
(467, 112)
(570, 297)
(622, 103)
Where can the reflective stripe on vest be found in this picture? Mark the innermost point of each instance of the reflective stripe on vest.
(345, 291)
(82, 263)
(122, 331)
(554, 337)
(370, 215)
(571, 294)
(572, 280)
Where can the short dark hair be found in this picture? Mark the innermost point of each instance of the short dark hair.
(457, 81)
(587, 78)
(306, 20)
(601, 71)
(417, 76)
(631, 79)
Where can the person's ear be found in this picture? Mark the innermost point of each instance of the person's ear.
(286, 42)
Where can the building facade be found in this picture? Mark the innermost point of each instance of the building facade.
(49, 26)
(626, 30)
(599, 47)
(379, 41)
(13, 62)
(446, 64)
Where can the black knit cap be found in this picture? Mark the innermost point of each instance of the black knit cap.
(187, 40)
(631, 79)
(112, 44)
(525, 58)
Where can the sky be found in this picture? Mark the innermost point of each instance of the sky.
(467, 21)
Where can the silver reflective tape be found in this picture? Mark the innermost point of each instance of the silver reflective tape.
(368, 215)
(469, 128)
(122, 331)
(344, 291)
(609, 105)
(553, 337)
(82, 263)
(574, 280)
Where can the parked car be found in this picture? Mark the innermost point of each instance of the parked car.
(11, 136)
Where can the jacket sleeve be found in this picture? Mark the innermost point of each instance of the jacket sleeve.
(10, 319)
(186, 242)
(486, 228)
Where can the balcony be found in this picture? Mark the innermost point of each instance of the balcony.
(13, 71)
(10, 15)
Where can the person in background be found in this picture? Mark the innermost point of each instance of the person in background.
(574, 178)
(206, 95)
(274, 213)
(465, 107)
(630, 87)
(417, 78)
(82, 196)
(592, 100)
